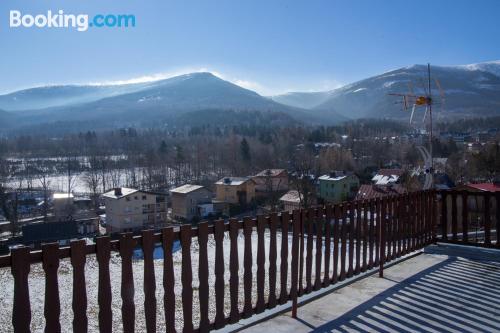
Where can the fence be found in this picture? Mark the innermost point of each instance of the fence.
(342, 240)
(470, 218)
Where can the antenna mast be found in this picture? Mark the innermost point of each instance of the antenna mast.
(431, 171)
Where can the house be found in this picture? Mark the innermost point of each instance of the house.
(186, 201)
(235, 190)
(338, 186)
(291, 200)
(387, 176)
(63, 205)
(130, 209)
(371, 191)
(271, 180)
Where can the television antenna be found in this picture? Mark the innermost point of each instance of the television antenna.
(414, 102)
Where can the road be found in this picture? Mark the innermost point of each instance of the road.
(426, 156)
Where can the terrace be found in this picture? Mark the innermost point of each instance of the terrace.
(232, 274)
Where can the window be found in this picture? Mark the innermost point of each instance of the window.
(136, 198)
(143, 197)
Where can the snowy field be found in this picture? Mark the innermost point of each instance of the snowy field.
(37, 287)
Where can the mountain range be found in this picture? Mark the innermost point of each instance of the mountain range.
(467, 91)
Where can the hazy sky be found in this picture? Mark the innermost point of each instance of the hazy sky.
(268, 46)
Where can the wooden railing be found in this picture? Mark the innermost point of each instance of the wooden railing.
(469, 218)
(341, 240)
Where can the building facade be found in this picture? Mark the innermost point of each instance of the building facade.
(338, 186)
(271, 180)
(130, 209)
(187, 199)
(235, 190)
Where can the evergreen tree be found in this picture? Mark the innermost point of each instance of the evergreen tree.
(245, 150)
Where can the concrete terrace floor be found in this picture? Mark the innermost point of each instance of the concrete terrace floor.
(446, 289)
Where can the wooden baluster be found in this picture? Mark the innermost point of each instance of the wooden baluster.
(261, 261)
(454, 221)
(303, 219)
(103, 253)
(52, 307)
(498, 218)
(284, 257)
(357, 229)
(328, 240)
(444, 216)
(187, 277)
(319, 250)
(487, 219)
(127, 244)
(465, 217)
(402, 223)
(343, 240)
(418, 219)
(425, 200)
(295, 260)
(350, 228)
(411, 221)
(79, 303)
(376, 229)
(371, 232)
(148, 247)
(336, 240)
(234, 315)
(382, 233)
(394, 227)
(203, 276)
(219, 273)
(21, 312)
(387, 227)
(309, 256)
(168, 279)
(273, 222)
(364, 208)
(247, 263)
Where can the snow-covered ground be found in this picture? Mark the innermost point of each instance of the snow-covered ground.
(37, 287)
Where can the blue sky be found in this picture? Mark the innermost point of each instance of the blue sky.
(268, 46)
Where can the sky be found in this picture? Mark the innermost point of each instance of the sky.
(268, 46)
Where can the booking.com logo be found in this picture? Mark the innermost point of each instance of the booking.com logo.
(80, 22)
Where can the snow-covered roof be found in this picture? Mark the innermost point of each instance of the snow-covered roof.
(232, 181)
(56, 196)
(387, 176)
(328, 177)
(113, 194)
(270, 173)
(335, 175)
(291, 196)
(186, 188)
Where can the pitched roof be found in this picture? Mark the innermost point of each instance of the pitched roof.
(233, 181)
(378, 191)
(186, 188)
(387, 176)
(270, 173)
(336, 175)
(291, 196)
(487, 187)
(124, 192)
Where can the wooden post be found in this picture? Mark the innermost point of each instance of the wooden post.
(382, 238)
(295, 261)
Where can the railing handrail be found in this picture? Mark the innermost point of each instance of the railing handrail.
(396, 226)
